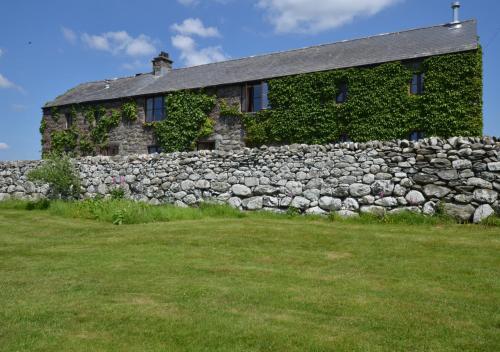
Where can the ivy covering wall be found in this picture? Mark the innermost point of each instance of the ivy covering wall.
(187, 120)
(378, 107)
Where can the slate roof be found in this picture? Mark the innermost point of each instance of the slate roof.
(411, 44)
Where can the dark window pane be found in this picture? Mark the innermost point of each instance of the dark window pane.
(342, 95)
(250, 95)
(158, 103)
(417, 83)
(69, 120)
(149, 115)
(158, 115)
(154, 149)
(416, 135)
(149, 104)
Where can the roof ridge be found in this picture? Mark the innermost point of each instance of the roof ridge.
(322, 45)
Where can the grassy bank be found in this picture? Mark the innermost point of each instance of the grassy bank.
(244, 282)
(121, 211)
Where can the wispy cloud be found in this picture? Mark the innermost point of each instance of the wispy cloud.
(120, 42)
(6, 84)
(191, 54)
(4, 146)
(69, 35)
(1, 52)
(188, 2)
(301, 16)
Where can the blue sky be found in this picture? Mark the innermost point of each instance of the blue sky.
(47, 47)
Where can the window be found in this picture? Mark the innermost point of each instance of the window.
(342, 95)
(417, 84)
(69, 121)
(155, 109)
(154, 149)
(344, 138)
(207, 145)
(256, 97)
(416, 135)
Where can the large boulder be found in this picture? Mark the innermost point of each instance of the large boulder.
(330, 203)
(300, 203)
(484, 211)
(316, 211)
(373, 209)
(479, 183)
(294, 187)
(485, 196)
(187, 185)
(241, 190)
(436, 191)
(415, 198)
(359, 190)
(350, 204)
(382, 188)
(423, 179)
(460, 212)
(265, 190)
(448, 174)
(387, 202)
(461, 164)
(254, 203)
(495, 166)
(346, 214)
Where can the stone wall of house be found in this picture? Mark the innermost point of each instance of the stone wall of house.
(461, 174)
(134, 138)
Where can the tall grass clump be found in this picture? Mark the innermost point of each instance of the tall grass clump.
(121, 211)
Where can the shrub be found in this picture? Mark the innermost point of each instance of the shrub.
(58, 171)
(42, 204)
(117, 193)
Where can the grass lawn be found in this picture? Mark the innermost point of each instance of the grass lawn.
(253, 283)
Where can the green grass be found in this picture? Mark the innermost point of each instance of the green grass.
(213, 279)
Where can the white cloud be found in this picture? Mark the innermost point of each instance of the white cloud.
(192, 56)
(4, 146)
(304, 16)
(1, 52)
(121, 43)
(194, 26)
(6, 84)
(188, 2)
(69, 35)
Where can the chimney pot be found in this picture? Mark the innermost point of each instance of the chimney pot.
(162, 64)
(455, 6)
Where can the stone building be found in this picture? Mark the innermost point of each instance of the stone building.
(241, 83)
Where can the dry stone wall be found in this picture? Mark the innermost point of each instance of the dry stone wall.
(462, 175)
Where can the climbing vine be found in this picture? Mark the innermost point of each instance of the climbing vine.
(379, 106)
(64, 141)
(229, 110)
(129, 111)
(187, 120)
(75, 141)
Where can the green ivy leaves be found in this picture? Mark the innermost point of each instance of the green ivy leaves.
(187, 120)
(379, 106)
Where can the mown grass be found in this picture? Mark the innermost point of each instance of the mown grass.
(251, 282)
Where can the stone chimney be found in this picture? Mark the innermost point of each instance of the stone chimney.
(162, 64)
